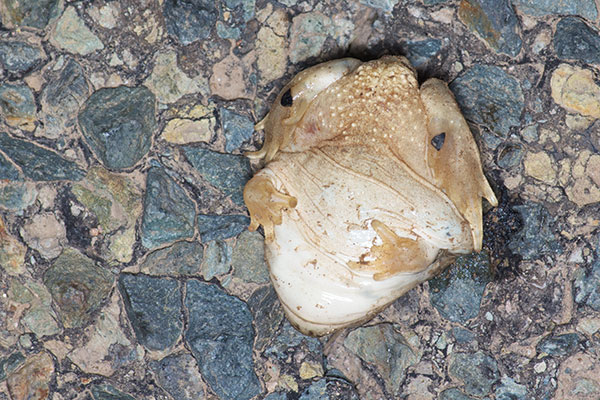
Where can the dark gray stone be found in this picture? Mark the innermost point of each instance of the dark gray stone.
(237, 128)
(510, 156)
(216, 227)
(537, 236)
(154, 309)
(455, 394)
(178, 374)
(189, 20)
(587, 283)
(10, 363)
(268, 315)
(495, 22)
(477, 371)
(8, 171)
(220, 335)
(560, 345)
(433, 2)
(118, 124)
(243, 7)
(539, 8)
(228, 173)
(316, 391)
(276, 396)
(108, 392)
(38, 163)
(420, 52)
(457, 292)
(510, 390)
(182, 258)
(489, 96)
(575, 40)
(463, 335)
(78, 286)
(32, 13)
(289, 338)
(168, 213)
(19, 57)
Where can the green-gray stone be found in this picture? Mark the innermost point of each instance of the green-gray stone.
(182, 258)
(169, 214)
(17, 105)
(477, 371)
(19, 57)
(387, 349)
(8, 171)
(32, 13)
(118, 124)
(217, 259)
(108, 392)
(17, 196)
(584, 8)
(248, 259)
(10, 363)
(78, 286)
(38, 163)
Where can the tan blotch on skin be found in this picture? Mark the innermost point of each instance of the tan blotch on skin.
(371, 185)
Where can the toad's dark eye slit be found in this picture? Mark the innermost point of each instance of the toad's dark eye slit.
(438, 141)
(286, 98)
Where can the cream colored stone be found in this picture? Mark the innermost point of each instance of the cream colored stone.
(46, 234)
(169, 83)
(578, 122)
(539, 166)
(309, 370)
(579, 378)
(183, 131)
(272, 55)
(575, 90)
(229, 78)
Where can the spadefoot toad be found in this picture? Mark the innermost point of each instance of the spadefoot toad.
(371, 185)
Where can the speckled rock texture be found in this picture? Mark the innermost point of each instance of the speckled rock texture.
(127, 272)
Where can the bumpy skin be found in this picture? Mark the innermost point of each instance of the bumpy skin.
(372, 184)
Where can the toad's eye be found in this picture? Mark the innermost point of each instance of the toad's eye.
(286, 98)
(438, 141)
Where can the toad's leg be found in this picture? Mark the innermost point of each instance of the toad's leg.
(453, 156)
(265, 204)
(394, 255)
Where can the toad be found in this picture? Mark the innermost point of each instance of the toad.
(372, 185)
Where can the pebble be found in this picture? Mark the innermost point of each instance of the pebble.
(495, 22)
(290, 340)
(237, 128)
(10, 363)
(589, 325)
(16, 197)
(510, 390)
(217, 259)
(226, 172)
(154, 308)
(579, 378)
(510, 156)
(169, 83)
(38, 316)
(419, 52)
(32, 380)
(575, 40)
(379, 344)
(477, 371)
(190, 21)
(248, 258)
(38, 163)
(539, 8)
(231, 79)
(108, 392)
(272, 55)
(583, 184)
(219, 227)
(180, 259)
(169, 213)
(220, 335)
(19, 57)
(178, 375)
(72, 34)
(540, 367)
(489, 96)
(46, 234)
(185, 131)
(17, 106)
(309, 370)
(32, 13)
(540, 166)
(307, 35)
(118, 124)
(575, 90)
(536, 238)
(268, 315)
(78, 287)
(457, 292)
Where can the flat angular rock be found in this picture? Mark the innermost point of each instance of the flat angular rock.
(218, 227)
(308, 34)
(72, 34)
(78, 286)
(226, 172)
(248, 259)
(32, 381)
(387, 349)
(118, 124)
(576, 40)
(559, 345)
(182, 258)
(18, 57)
(108, 392)
(191, 20)
(587, 284)
(178, 375)
(154, 308)
(477, 371)
(511, 390)
(420, 52)
(32, 13)
(489, 96)
(38, 317)
(537, 236)
(8, 171)
(217, 259)
(169, 215)
(457, 292)
(38, 163)
(237, 128)
(268, 315)
(45, 233)
(584, 8)
(220, 335)
(17, 106)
